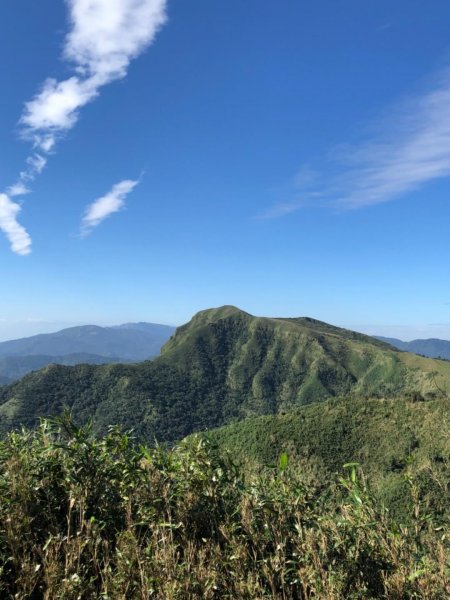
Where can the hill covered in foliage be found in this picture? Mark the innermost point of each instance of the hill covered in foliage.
(83, 518)
(387, 438)
(223, 366)
(273, 504)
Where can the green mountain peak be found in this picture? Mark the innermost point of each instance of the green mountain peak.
(210, 315)
(223, 366)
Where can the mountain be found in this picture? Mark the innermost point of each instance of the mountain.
(432, 347)
(161, 331)
(133, 341)
(15, 367)
(392, 342)
(225, 365)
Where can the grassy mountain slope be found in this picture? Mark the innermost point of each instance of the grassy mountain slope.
(225, 365)
(389, 438)
(296, 361)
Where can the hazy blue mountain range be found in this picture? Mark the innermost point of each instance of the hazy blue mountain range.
(432, 347)
(88, 344)
(15, 367)
(132, 341)
(164, 331)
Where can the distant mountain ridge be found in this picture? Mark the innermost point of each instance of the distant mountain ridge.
(431, 347)
(153, 328)
(90, 344)
(15, 367)
(223, 366)
(132, 341)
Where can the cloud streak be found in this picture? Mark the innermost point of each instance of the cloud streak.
(104, 37)
(410, 149)
(415, 152)
(17, 235)
(18, 189)
(103, 207)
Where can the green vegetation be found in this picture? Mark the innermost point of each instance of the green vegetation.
(389, 438)
(87, 513)
(224, 366)
(87, 518)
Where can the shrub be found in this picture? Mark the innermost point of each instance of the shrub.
(85, 518)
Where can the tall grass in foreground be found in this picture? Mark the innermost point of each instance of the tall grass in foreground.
(87, 518)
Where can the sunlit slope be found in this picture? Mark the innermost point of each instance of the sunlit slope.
(390, 439)
(430, 376)
(223, 366)
(295, 361)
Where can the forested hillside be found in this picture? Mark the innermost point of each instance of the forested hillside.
(223, 366)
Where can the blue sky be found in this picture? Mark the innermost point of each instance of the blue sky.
(291, 158)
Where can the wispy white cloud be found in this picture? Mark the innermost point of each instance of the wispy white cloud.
(17, 235)
(18, 189)
(281, 209)
(54, 109)
(300, 191)
(105, 206)
(414, 151)
(410, 148)
(36, 164)
(104, 37)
